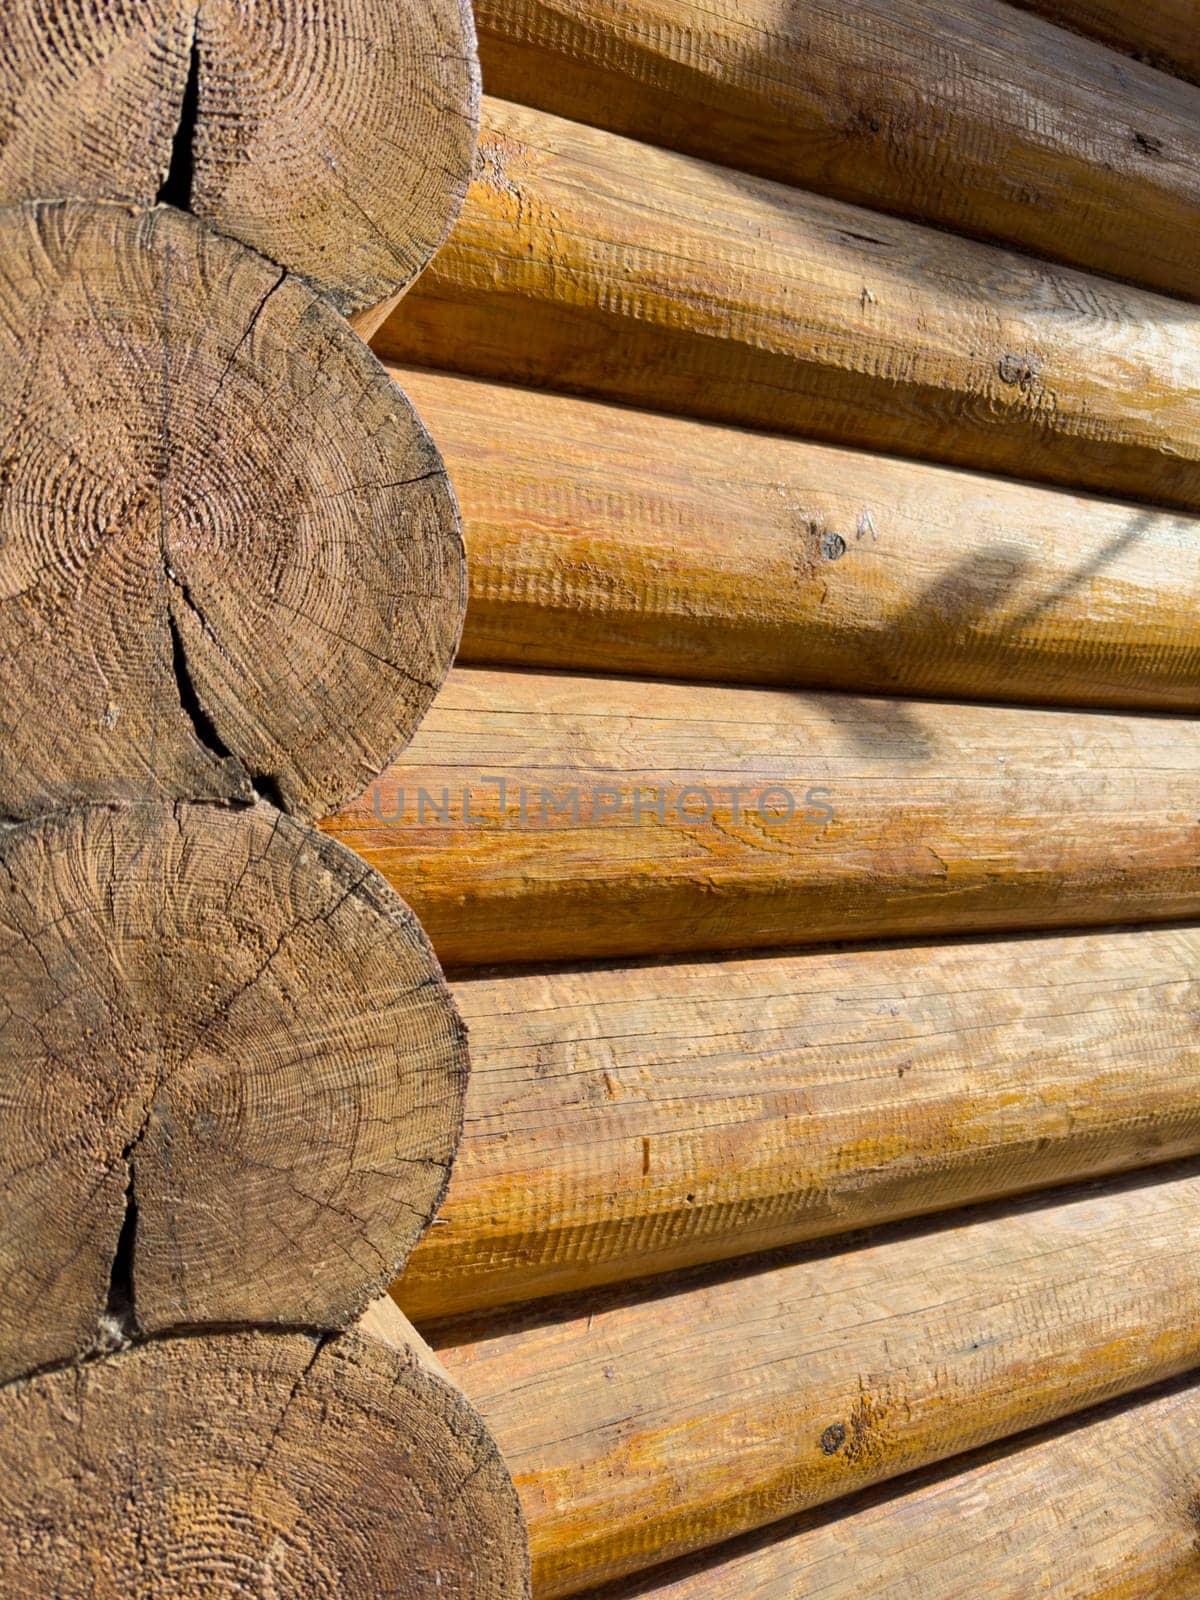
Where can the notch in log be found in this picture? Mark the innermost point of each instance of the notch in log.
(229, 556)
(335, 139)
(231, 1078)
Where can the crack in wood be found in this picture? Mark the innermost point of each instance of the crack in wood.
(180, 176)
(203, 725)
(119, 1324)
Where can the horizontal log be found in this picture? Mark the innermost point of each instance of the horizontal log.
(337, 145)
(538, 817)
(612, 540)
(1162, 32)
(254, 1462)
(964, 113)
(638, 1429)
(1099, 1508)
(592, 263)
(631, 1120)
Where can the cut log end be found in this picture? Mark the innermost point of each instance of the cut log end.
(335, 138)
(253, 1463)
(231, 1078)
(229, 556)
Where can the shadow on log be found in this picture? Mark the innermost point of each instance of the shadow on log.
(609, 540)
(543, 817)
(1162, 32)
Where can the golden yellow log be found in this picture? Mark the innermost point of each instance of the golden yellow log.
(539, 816)
(612, 540)
(589, 262)
(1106, 1510)
(964, 113)
(638, 1429)
(630, 1120)
(1165, 33)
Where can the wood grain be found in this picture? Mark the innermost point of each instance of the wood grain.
(946, 818)
(253, 1463)
(229, 557)
(591, 263)
(1165, 33)
(963, 113)
(1096, 1509)
(641, 1428)
(333, 136)
(231, 1078)
(609, 540)
(624, 1121)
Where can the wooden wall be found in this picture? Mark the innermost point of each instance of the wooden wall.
(812, 821)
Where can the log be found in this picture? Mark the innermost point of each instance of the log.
(229, 557)
(591, 263)
(962, 113)
(538, 817)
(231, 1078)
(609, 540)
(640, 1428)
(1105, 1507)
(633, 1120)
(254, 1462)
(335, 139)
(1162, 33)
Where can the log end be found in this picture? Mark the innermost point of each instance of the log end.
(274, 1464)
(335, 139)
(231, 1078)
(230, 560)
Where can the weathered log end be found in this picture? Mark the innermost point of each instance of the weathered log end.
(253, 1463)
(335, 138)
(231, 1078)
(229, 556)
